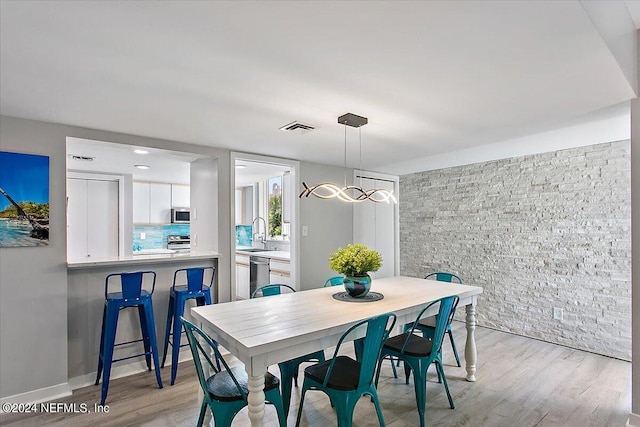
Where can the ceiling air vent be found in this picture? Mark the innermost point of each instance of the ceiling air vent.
(81, 158)
(297, 127)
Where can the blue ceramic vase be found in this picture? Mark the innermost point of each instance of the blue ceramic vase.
(357, 286)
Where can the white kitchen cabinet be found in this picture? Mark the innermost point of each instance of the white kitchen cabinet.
(159, 203)
(180, 196)
(141, 202)
(242, 276)
(151, 203)
(92, 219)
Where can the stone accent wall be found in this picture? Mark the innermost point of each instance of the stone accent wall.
(536, 232)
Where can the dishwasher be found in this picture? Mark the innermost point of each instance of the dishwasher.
(258, 272)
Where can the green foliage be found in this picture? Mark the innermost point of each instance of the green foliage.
(355, 260)
(275, 215)
(36, 210)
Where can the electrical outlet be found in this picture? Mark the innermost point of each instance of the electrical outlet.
(143, 236)
(305, 231)
(557, 313)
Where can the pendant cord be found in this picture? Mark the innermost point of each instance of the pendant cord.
(360, 136)
(345, 154)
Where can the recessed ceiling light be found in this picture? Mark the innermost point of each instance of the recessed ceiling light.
(143, 166)
(140, 151)
(241, 166)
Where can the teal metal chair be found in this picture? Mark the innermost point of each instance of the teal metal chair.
(334, 281)
(226, 391)
(346, 380)
(427, 325)
(288, 369)
(271, 289)
(418, 353)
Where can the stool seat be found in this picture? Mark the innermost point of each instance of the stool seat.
(178, 296)
(130, 295)
(116, 297)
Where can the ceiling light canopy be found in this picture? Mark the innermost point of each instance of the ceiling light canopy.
(348, 193)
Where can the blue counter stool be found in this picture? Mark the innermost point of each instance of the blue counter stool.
(194, 289)
(131, 294)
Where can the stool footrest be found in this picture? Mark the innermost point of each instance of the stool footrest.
(128, 342)
(131, 357)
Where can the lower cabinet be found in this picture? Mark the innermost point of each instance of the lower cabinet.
(280, 272)
(242, 276)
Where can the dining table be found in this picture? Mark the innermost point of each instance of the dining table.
(262, 332)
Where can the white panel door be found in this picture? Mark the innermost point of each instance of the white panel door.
(92, 219)
(102, 230)
(374, 226)
(77, 219)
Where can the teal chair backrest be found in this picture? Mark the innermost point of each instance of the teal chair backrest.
(378, 329)
(444, 277)
(201, 347)
(334, 281)
(443, 318)
(271, 289)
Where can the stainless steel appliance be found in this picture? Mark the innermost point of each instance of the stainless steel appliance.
(258, 272)
(180, 215)
(179, 243)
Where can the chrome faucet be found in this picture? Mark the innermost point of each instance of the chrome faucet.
(257, 235)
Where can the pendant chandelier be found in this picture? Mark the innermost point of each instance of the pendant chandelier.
(348, 193)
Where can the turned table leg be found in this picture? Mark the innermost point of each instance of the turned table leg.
(470, 353)
(256, 400)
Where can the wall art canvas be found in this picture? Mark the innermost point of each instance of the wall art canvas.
(24, 200)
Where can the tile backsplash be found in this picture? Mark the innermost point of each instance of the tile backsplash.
(244, 235)
(156, 235)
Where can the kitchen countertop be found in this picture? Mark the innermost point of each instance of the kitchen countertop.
(145, 259)
(277, 255)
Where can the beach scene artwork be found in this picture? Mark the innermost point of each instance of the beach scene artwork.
(24, 200)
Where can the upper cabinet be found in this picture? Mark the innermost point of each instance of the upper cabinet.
(180, 196)
(152, 201)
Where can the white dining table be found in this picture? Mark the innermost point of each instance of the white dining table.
(262, 332)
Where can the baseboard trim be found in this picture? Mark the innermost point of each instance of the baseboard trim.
(40, 395)
(633, 421)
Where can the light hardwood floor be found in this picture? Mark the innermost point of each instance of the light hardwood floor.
(520, 382)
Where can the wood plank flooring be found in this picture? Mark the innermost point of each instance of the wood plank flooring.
(520, 382)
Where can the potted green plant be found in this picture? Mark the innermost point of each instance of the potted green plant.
(355, 262)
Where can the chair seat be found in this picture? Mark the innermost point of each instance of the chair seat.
(221, 386)
(185, 289)
(115, 296)
(345, 374)
(416, 347)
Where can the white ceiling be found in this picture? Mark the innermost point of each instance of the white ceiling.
(432, 77)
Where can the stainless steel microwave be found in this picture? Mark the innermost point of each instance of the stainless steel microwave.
(180, 215)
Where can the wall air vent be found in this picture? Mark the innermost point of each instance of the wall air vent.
(297, 127)
(81, 158)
